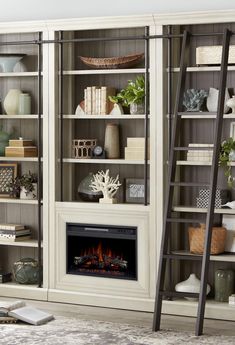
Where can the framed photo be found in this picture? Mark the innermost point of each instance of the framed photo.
(134, 190)
(8, 171)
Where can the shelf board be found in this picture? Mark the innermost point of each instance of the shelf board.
(204, 115)
(19, 117)
(28, 243)
(203, 69)
(18, 74)
(104, 117)
(105, 71)
(201, 163)
(202, 210)
(18, 159)
(18, 201)
(103, 161)
(225, 257)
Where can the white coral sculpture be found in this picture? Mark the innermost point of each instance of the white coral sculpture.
(106, 184)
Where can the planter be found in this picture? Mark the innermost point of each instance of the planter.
(29, 195)
(137, 109)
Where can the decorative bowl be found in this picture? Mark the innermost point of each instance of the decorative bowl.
(113, 62)
(26, 271)
(8, 61)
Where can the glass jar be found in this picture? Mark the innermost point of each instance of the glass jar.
(26, 271)
(137, 109)
(224, 285)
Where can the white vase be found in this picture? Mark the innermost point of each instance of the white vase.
(24, 104)
(231, 104)
(30, 195)
(11, 102)
(192, 284)
(117, 110)
(212, 100)
(111, 141)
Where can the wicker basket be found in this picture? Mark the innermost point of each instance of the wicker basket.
(113, 62)
(197, 235)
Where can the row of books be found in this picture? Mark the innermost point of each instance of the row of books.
(14, 232)
(96, 100)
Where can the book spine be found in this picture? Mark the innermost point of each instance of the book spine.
(93, 100)
(85, 101)
(11, 227)
(89, 100)
(97, 110)
(103, 106)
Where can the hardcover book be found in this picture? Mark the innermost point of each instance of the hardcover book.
(31, 315)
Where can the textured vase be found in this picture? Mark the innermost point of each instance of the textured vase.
(11, 102)
(26, 271)
(231, 104)
(24, 104)
(224, 285)
(192, 284)
(111, 141)
(212, 100)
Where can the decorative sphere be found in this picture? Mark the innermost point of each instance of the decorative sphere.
(85, 192)
(26, 271)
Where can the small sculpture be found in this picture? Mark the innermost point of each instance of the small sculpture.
(194, 99)
(107, 185)
(230, 204)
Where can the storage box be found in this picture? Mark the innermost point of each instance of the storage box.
(135, 153)
(20, 142)
(211, 55)
(136, 142)
(21, 151)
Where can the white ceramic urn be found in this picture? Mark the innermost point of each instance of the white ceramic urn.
(192, 284)
(11, 102)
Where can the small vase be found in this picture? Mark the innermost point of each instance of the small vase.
(111, 141)
(224, 285)
(11, 102)
(192, 284)
(137, 109)
(24, 104)
(29, 195)
(117, 109)
(231, 104)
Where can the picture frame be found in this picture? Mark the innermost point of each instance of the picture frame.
(134, 190)
(8, 171)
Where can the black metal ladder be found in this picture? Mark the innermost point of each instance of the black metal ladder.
(165, 253)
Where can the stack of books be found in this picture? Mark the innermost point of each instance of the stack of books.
(135, 148)
(200, 155)
(14, 232)
(5, 277)
(96, 100)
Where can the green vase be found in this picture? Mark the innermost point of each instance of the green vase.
(224, 285)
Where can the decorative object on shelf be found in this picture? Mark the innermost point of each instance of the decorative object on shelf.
(98, 152)
(134, 190)
(117, 110)
(231, 104)
(197, 238)
(229, 204)
(221, 197)
(135, 149)
(21, 148)
(134, 94)
(211, 55)
(4, 141)
(113, 62)
(11, 102)
(14, 232)
(24, 186)
(85, 191)
(224, 284)
(26, 271)
(111, 141)
(9, 60)
(102, 182)
(192, 284)
(226, 147)
(194, 99)
(24, 104)
(80, 109)
(232, 130)
(5, 277)
(82, 148)
(200, 155)
(212, 100)
(8, 172)
(96, 100)
(228, 222)
(231, 299)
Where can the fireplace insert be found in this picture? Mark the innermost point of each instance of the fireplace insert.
(102, 250)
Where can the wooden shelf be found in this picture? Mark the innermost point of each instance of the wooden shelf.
(18, 201)
(18, 159)
(204, 115)
(104, 117)
(225, 257)
(103, 161)
(105, 71)
(28, 243)
(203, 69)
(194, 163)
(18, 74)
(19, 117)
(202, 210)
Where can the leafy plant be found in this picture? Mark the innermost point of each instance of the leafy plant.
(227, 146)
(25, 181)
(133, 93)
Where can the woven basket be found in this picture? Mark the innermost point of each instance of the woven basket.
(113, 62)
(197, 235)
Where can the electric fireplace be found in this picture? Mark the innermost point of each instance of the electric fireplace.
(101, 250)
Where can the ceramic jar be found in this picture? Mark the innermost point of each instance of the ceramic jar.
(85, 192)
(224, 285)
(137, 109)
(11, 102)
(192, 284)
(24, 104)
(29, 195)
(111, 141)
(231, 104)
(4, 141)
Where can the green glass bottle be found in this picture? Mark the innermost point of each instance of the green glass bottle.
(224, 284)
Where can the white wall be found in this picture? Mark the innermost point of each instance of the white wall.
(15, 10)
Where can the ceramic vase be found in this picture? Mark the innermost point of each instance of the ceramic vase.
(29, 195)
(11, 102)
(137, 109)
(111, 141)
(24, 104)
(231, 104)
(212, 100)
(192, 284)
(224, 285)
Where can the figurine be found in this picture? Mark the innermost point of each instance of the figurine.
(107, 185)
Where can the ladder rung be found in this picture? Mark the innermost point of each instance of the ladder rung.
(190, 184)
(179, 294)
(182, 257)
(197, 148)
(183, 220)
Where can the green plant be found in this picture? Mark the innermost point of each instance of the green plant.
(226, 147)
(25, 181)
(133, 93)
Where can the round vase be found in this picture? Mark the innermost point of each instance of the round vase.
(29, 195)
(24, 104)
(192, 284)
(137, 109)
(111, 141)
(11, 102)
(231, 104)
(26, 271)
(224, 285)
(85, 192)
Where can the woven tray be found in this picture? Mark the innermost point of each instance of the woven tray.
(113, 62)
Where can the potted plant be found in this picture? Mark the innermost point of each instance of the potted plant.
(227, 154)
(133, 95)
(24, 186)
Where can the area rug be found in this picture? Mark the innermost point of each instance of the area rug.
(66, 331)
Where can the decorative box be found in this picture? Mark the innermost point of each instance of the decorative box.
(82, 148)
(20, 142)
(21, 151)
(135, 153)
(211, 55)
(204, 202)
(220, 193)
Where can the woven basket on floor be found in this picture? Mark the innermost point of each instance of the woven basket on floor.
(197, 235)
(113, 62)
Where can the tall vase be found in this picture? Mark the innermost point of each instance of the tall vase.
(24, 104)
(11, 102)
(111, 141)
(224, 284)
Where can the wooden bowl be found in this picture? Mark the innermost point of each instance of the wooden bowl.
(113, 62)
